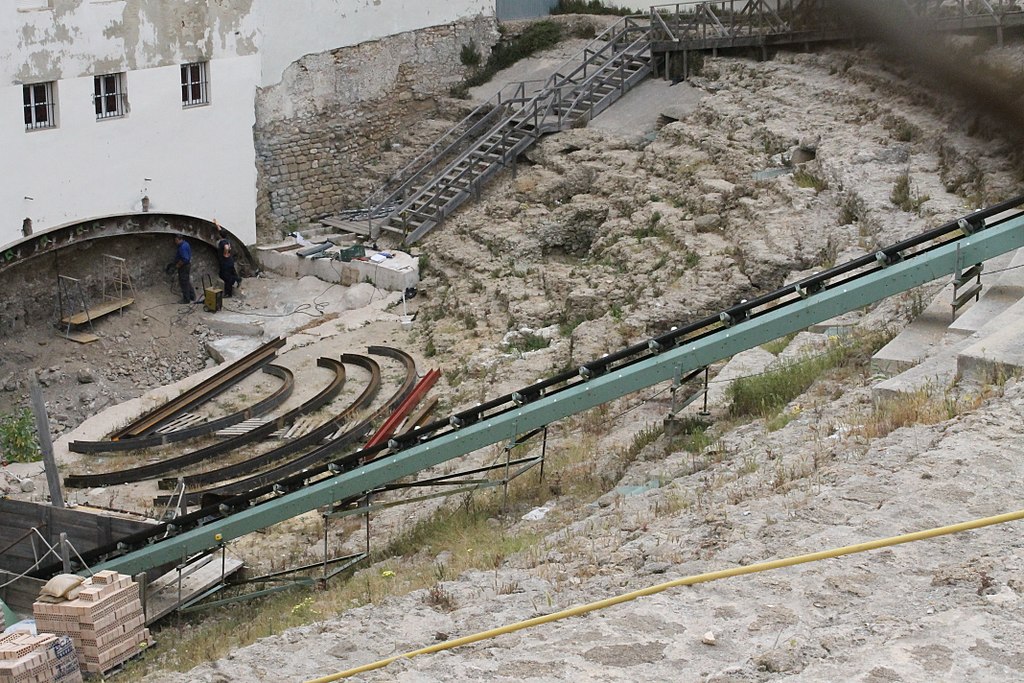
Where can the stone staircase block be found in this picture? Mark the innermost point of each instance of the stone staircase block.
(924, 334)
(998, 348)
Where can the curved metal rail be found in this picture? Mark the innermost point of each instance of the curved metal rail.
(319, 454)
(200, 393)
(209, 427)
(157, 469)
(892, 269)
(316, 436)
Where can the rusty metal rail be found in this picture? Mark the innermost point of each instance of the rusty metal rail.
(176, 463)
(314, 437)
(391, 424)
(200, 393)
(263, 407)
(273, 477)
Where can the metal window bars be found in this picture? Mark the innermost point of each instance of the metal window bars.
(39, 105)
(194, 81)
(110, 97)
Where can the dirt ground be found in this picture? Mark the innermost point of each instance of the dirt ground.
(601, 237)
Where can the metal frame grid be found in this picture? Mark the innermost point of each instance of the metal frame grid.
(110, 95)
(40, 105)
(195, 81)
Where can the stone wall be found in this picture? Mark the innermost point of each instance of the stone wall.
(320, 132)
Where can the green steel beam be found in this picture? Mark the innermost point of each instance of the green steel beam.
(800, 314)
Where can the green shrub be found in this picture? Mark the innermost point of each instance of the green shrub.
(906, 197)
(591, 7)
(852, 210)
(18, 441)
(693, 434)
(529, 342)
(536, 37)
(470, 55)
(901, 129)
(804, 178)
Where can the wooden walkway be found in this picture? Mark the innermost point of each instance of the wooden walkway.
(94, 312)
(728, 24)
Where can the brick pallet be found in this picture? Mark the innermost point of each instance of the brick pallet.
(46, 658)
(105, 621)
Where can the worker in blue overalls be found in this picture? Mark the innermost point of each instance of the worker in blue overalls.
(183, 262)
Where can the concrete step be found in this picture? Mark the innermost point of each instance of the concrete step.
(997, 349)
(936, 373)
(982, 343)
(927, 332)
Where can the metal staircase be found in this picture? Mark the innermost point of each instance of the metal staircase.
(490, 138)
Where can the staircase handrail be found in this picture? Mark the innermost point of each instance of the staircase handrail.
(457, 134)
(530, 114)
(524, 113)
(382, 197)
(588, 86)
(606, 39)
(544, 100)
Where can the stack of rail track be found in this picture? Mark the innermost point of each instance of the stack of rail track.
(305, 461)
(177, 463)
(146, 425)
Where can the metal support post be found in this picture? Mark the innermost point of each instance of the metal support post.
(704, 409)
(142, 578)
(45, 443)
(65, 554)
(180, 566)
(324, 517)
(543, 453)
(182, 504)
(367, 525)
(504, 483)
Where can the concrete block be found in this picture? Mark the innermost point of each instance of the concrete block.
(222, 324)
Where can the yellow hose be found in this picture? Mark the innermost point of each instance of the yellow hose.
(686, 581)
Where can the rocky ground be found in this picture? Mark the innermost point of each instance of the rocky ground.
(602, 237)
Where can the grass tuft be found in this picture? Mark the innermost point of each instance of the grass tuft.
(765, 395)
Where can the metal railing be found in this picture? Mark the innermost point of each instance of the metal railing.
(517, 104)
(704, 20)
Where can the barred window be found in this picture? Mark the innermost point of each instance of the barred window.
(109, 96)
(40, 106)
(194, 90)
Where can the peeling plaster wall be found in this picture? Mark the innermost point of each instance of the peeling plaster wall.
(200, 161)
(78, 38)
(295, 28)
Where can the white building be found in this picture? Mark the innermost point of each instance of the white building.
(114, 107)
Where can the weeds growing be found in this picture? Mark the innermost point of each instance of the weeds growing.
(765, 394)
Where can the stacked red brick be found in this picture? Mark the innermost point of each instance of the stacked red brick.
(46, 658)
(105, 621)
